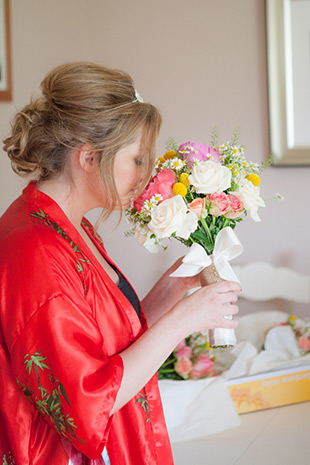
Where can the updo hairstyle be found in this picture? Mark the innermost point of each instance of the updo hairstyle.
(82, 104)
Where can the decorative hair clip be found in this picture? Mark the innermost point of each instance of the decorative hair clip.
(137, 98)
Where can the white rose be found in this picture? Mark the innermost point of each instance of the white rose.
(209, 177)
(171, 216)
(250, 197)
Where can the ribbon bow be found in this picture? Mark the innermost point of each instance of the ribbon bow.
(227, 247)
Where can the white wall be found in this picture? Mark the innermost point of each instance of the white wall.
(203, 63)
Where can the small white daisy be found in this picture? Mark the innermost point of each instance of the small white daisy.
(156, 199)
(176, 163)
(148, 207)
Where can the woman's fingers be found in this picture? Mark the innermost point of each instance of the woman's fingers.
(225, 286)
(207, 307)
(230, 323)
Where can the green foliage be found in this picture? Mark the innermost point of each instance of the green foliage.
(167, 371)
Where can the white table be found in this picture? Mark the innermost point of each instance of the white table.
(278, 436)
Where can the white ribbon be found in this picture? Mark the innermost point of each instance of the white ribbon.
(227, 247)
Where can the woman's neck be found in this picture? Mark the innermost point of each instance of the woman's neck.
(69, 198)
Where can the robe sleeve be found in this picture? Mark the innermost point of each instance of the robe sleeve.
(61, 365)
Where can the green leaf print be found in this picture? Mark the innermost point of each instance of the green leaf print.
(49, 401)
(81, 258)
(7, 459)
(144, 404)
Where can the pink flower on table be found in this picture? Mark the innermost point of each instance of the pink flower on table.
(218, 204)
(180, 346)
(185, 352)
(304, 343)
(193, 151)
(160, 184)
(183, 367)
(202, 368)
(236, 207)
(197, 206)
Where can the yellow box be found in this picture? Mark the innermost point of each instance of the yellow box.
(271, 389)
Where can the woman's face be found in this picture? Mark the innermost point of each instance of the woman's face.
(128, 167)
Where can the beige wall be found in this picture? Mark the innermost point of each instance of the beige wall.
(203, 63)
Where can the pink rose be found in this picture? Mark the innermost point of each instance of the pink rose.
(161, 184)
(218, 204)
(183, 367)
(197, 206)
(197, 151)
(304, 344)
(236, 207)
(203, 367)
(186, 352)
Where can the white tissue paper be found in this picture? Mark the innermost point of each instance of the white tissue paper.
(198, 408)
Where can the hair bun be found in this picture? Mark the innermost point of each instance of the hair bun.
(32, 113)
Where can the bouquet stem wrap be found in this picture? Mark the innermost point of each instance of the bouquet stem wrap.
(214, 269)
(218, 337)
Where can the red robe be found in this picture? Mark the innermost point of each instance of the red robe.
(63, 324)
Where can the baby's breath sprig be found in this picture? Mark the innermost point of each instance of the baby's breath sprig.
(214, 137)
(235, 137)
(266, 163)
(171, 144)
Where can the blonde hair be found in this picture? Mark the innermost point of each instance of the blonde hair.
(82, 104)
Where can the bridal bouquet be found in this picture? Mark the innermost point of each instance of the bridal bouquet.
(197, 191)
(198, 195)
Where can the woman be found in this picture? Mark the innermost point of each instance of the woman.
(78, 354)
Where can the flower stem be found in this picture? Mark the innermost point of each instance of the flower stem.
(206, 228)
(168, 362)
(166, 370)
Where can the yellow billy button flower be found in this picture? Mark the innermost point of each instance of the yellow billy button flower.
(184, 179)
(170, 154)
(179, 189)
(254, 178)
(160, 161)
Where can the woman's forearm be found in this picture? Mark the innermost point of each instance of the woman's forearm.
(143, 358)
(205, 309)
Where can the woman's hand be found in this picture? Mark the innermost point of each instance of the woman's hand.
(166, 293)
(208, 308)
(185, 282)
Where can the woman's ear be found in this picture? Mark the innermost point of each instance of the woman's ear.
(88, 159)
